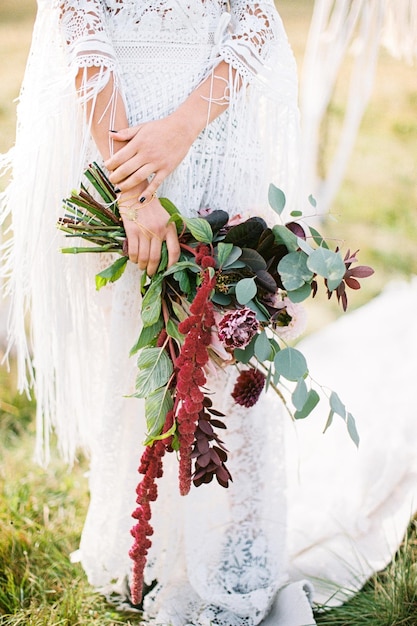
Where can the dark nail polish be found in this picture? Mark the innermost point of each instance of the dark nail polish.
(117, 190)
(113, 131)
(142, 199)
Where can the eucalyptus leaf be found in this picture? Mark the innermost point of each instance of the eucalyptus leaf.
(276, 377)
(223, 252)
(294, 271)
(304, 245)
(233, 256)
(276, 198)
(285, 236)
(268, 378)
(300, 394)
(329, 420)
(275, 347)
(351, 426)
(313, 399)
(221, 298)
(236, 265)
(245, 290)
(300, 294)
(318, 239)
(261, 313)
(328, 264)
(111, 273)
(312, 201)
(337, 405)
(262, 347)
(244, 356)
(291, 364)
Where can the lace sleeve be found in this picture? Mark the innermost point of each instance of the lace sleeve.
(83, 28)
(253, 34)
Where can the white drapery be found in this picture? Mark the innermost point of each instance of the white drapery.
(339, 28)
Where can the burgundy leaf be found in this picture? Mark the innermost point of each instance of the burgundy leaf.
(352, 283)
(361, 271)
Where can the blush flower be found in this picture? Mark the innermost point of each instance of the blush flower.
(237, 327)
(248, 387)
(291, 320)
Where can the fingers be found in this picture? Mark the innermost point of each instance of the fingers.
(173, 245)
(145, 246)
(125, 134)
(127, 151)
(154, 256)
(128, 175)
(152, 187)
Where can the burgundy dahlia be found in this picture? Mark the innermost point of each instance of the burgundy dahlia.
(248, 387)
(237, 327)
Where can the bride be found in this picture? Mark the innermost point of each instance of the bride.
(196, 102)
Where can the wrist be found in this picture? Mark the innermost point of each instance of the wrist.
(188, 121)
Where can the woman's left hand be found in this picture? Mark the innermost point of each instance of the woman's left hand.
(154, 148)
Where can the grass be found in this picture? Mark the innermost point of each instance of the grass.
(388, 599)
(41, 516)
(42, 511)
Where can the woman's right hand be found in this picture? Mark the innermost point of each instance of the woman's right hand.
(146, 228)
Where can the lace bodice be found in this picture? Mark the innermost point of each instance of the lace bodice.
(90, 28)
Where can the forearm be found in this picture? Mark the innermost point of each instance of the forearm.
(155, 148)
(207, 101)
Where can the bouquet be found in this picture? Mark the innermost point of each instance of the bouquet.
(233, 298)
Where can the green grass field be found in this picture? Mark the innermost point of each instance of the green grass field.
(42, 511)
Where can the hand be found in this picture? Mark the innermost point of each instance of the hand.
(146, 234)
(156, 147)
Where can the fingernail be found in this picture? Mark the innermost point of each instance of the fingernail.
(117, 190)
(142, 199)
(113, 131)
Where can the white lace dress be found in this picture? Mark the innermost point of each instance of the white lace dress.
(218, 555)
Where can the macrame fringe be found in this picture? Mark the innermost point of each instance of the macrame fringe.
(57, 321)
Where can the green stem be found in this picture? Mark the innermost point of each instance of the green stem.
(79, 250)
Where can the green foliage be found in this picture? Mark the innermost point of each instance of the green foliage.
(276, 199)
(111, 273)
(41, 516)
(389, 598)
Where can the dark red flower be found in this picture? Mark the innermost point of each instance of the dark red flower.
(248, 387)
(190, 375)
(237, 327)
(151, 468)
(208, 261)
